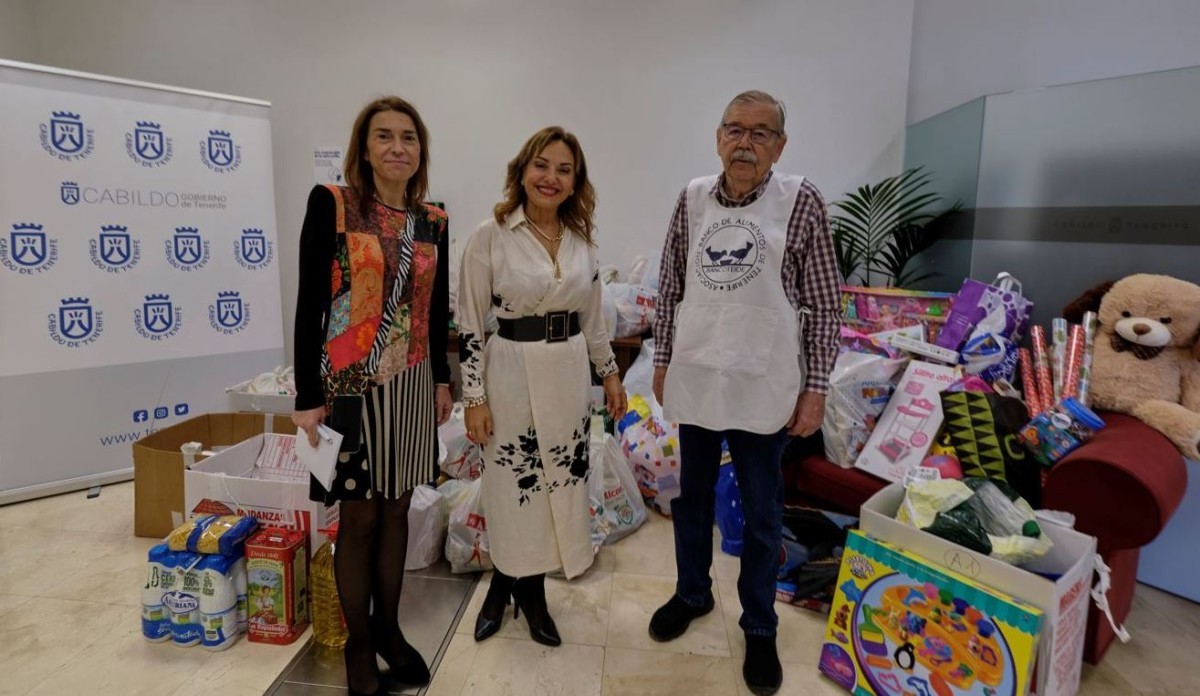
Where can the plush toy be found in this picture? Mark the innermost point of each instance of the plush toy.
(1147, 359)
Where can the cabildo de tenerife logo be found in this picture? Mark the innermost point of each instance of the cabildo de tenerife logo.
(148, 146)
(730, 254)
(115, 250)
(253, 250)
(76, 324)
(66, 138)
(186, 251)
(219, 153)
(28, 250)
(158, 319)
(72, 193)
(230, 314)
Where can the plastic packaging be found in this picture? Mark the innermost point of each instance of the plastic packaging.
(1051, 435)
(329, 626)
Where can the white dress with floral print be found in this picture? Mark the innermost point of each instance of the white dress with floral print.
(536, 463)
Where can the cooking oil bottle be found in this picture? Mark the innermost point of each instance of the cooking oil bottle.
(329, 627)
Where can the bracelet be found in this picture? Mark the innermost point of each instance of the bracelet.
(473, 401)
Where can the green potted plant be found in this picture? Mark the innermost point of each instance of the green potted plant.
(878, 229)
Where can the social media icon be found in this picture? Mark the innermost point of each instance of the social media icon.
(141, 416)
(161, 412)
(181, 409)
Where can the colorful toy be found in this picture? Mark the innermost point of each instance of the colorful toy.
(947, 466)
(918, 629)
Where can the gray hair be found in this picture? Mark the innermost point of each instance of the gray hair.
(755, 96)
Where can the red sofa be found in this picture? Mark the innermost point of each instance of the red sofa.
(1122, 487)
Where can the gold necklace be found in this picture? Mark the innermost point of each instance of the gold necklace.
(553, 255)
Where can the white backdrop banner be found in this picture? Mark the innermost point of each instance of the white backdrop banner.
(138, 268)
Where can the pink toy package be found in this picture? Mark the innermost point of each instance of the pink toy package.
(909, 424)
(874, 310)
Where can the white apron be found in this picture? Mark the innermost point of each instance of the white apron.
(737, 351)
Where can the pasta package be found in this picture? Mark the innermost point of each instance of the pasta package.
(221, 534)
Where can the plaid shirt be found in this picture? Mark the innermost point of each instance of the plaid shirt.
(810, 277)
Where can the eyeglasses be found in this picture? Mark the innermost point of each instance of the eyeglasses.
(758, 136)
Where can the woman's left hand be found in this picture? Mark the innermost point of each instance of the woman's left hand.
(614, 395)
(443, 403)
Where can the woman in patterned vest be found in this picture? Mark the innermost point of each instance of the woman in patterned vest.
(370, 343)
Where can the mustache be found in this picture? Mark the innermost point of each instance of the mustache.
(745, 156)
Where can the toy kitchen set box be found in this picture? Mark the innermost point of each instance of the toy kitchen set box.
(900, 626)
(910, 422)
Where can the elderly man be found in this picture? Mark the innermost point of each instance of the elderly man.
(747, 326)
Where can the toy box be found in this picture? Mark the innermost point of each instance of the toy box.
(873, 310)
(900, 625)
(277, 574)
(909, 424)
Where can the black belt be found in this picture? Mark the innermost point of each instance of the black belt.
(554, 327)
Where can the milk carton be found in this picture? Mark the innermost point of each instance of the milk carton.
(181, 596)
(218, 602)
(156, 623)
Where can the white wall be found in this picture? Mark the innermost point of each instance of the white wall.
(642, 84)
(963, 49)
(17, 32)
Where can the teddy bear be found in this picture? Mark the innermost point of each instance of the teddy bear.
(1147, 353)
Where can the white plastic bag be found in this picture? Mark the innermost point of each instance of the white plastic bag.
(454, 492)
(623, 509)
(644, 271)
(859, 389)
(467, 537)
(426, 528)
(635, 308)
(652, 448)
(639, 378)
(462, 458)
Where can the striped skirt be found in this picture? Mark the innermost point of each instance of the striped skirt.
(399, 442)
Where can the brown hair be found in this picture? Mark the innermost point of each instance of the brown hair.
(577, 211)
(357, 169)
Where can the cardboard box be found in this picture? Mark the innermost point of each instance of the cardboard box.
(277, 576)
(262, 478)
(909, 423)
(1064, 601)
(901, 624)
(242, 399)
(158, 464)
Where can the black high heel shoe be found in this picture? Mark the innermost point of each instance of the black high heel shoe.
(530, 594)
(491, 614)
(407, 666)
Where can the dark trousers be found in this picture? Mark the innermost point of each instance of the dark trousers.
(756, 459)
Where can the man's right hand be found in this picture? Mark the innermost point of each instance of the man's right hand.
(308, 420)
(660, 377)
(478, 420)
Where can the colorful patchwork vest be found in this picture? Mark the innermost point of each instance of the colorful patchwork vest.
(382, 284)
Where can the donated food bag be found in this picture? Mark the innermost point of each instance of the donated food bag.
(622, 510)
(426, 528)
(467, 538)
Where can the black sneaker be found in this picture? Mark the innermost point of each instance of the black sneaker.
(761, 670)
(674, 617)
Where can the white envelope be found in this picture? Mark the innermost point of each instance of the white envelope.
(322, 460)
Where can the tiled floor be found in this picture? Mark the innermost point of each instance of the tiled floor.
(70, 570)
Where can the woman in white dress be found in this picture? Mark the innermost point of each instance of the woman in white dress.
(534, 266)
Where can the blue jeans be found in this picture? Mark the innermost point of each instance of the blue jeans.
(756, 459)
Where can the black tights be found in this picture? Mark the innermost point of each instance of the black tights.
(369, 564)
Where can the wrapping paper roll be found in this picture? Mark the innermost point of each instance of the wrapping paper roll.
(1074, 363)
(1058, 355)
(1041, 366)
(1091, 324)
(1033, 400)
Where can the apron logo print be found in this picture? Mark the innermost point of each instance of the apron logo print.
(730, 254)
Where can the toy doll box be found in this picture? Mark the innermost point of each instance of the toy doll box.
(901, 626)
(872, 310)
